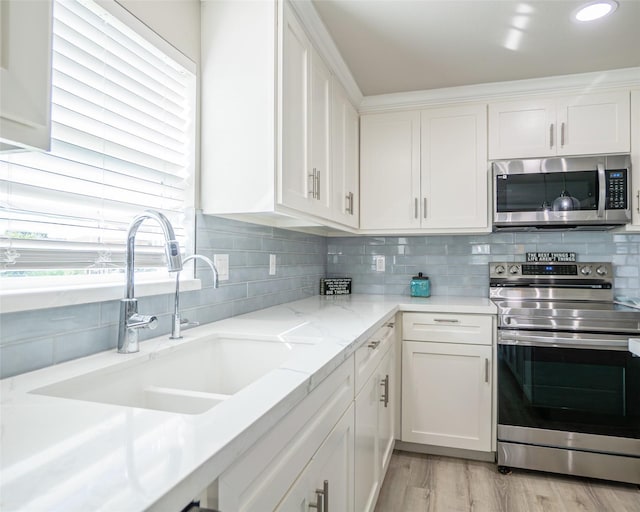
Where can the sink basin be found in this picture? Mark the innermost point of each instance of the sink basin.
(189, 378)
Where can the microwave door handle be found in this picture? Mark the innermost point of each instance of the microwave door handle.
(602, 191)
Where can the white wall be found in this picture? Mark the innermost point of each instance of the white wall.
(177, 21)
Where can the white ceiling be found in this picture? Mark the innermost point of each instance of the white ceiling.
(410, 45)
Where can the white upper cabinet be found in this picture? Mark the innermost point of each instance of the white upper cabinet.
(267, 126)
(345, 153)
(425, 171)
(567, 125)
(297, 186)
(25, 74)
(454, 167)
(390, 171)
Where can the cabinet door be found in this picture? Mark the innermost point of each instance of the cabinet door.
(367, 445)
(296, 180)
(454, 167)
(390, 171)
(333, 464)
(386, 411)
(319, 133)
(345, 158)
(520, 129)
(594, 123)
(446, 395)
(25, 74)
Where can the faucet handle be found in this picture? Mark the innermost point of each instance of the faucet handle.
(137, 321)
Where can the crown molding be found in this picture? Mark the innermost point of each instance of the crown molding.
(323, 42)
(565, 84)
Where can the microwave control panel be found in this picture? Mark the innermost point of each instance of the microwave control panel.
(616, 183)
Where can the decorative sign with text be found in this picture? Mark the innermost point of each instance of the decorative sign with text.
(551, 257)
(335, 286)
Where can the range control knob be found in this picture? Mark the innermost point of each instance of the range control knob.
(514, 269)
(601, 270)
(586, 270)
(499, 269)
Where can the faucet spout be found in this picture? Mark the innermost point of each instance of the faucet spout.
(172, 248)
(177, 321)
(130, 321)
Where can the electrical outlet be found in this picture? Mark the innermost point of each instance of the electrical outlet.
(221, 261)
(272, 264)
(380, 263)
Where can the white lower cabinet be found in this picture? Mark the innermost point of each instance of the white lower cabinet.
(330, 453)
(374, 433)
(447, 381)
(312, 443)
(327, 481)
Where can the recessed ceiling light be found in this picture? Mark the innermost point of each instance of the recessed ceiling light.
(594, 10)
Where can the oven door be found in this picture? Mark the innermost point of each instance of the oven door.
(569, 390)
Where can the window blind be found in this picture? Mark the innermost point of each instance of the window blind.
(122, 141)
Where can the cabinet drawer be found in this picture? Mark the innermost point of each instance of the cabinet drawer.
(369, 355)
(447, 327)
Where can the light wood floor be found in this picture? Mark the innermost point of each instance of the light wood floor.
(429, 483)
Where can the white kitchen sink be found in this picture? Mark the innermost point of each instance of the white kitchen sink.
(188, 378)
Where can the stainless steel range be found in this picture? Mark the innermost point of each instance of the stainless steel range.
(568, 386)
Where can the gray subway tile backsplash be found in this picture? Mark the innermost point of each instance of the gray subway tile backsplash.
(35, 339)
(456, 265)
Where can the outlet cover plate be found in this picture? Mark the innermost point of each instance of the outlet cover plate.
(221, 261)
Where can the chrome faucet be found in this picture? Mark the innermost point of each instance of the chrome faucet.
(176, 321)
(130, 320)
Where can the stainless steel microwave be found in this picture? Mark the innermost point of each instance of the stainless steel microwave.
(564, 193)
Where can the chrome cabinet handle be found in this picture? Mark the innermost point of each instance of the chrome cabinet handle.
(486, 370)
(322, 498)
(424, 207)
(415, 208)
(390, 324)
(551, 136)
(447, 320)
(349, 208)
(562, 135)
(318, 184)
(312, 177)
(385, 393)
(373, 344)
(638, 201)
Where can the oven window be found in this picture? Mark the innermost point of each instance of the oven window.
(558, 191)
(578, 390)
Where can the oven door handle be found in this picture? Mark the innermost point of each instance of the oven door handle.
(560, 340)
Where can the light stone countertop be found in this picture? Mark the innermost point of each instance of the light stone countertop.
(73, 455)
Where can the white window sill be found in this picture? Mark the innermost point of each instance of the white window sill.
(26, 299)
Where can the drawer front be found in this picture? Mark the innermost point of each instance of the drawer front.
(447, 327)
(369, 355)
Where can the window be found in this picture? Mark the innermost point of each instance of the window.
(123, 125)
